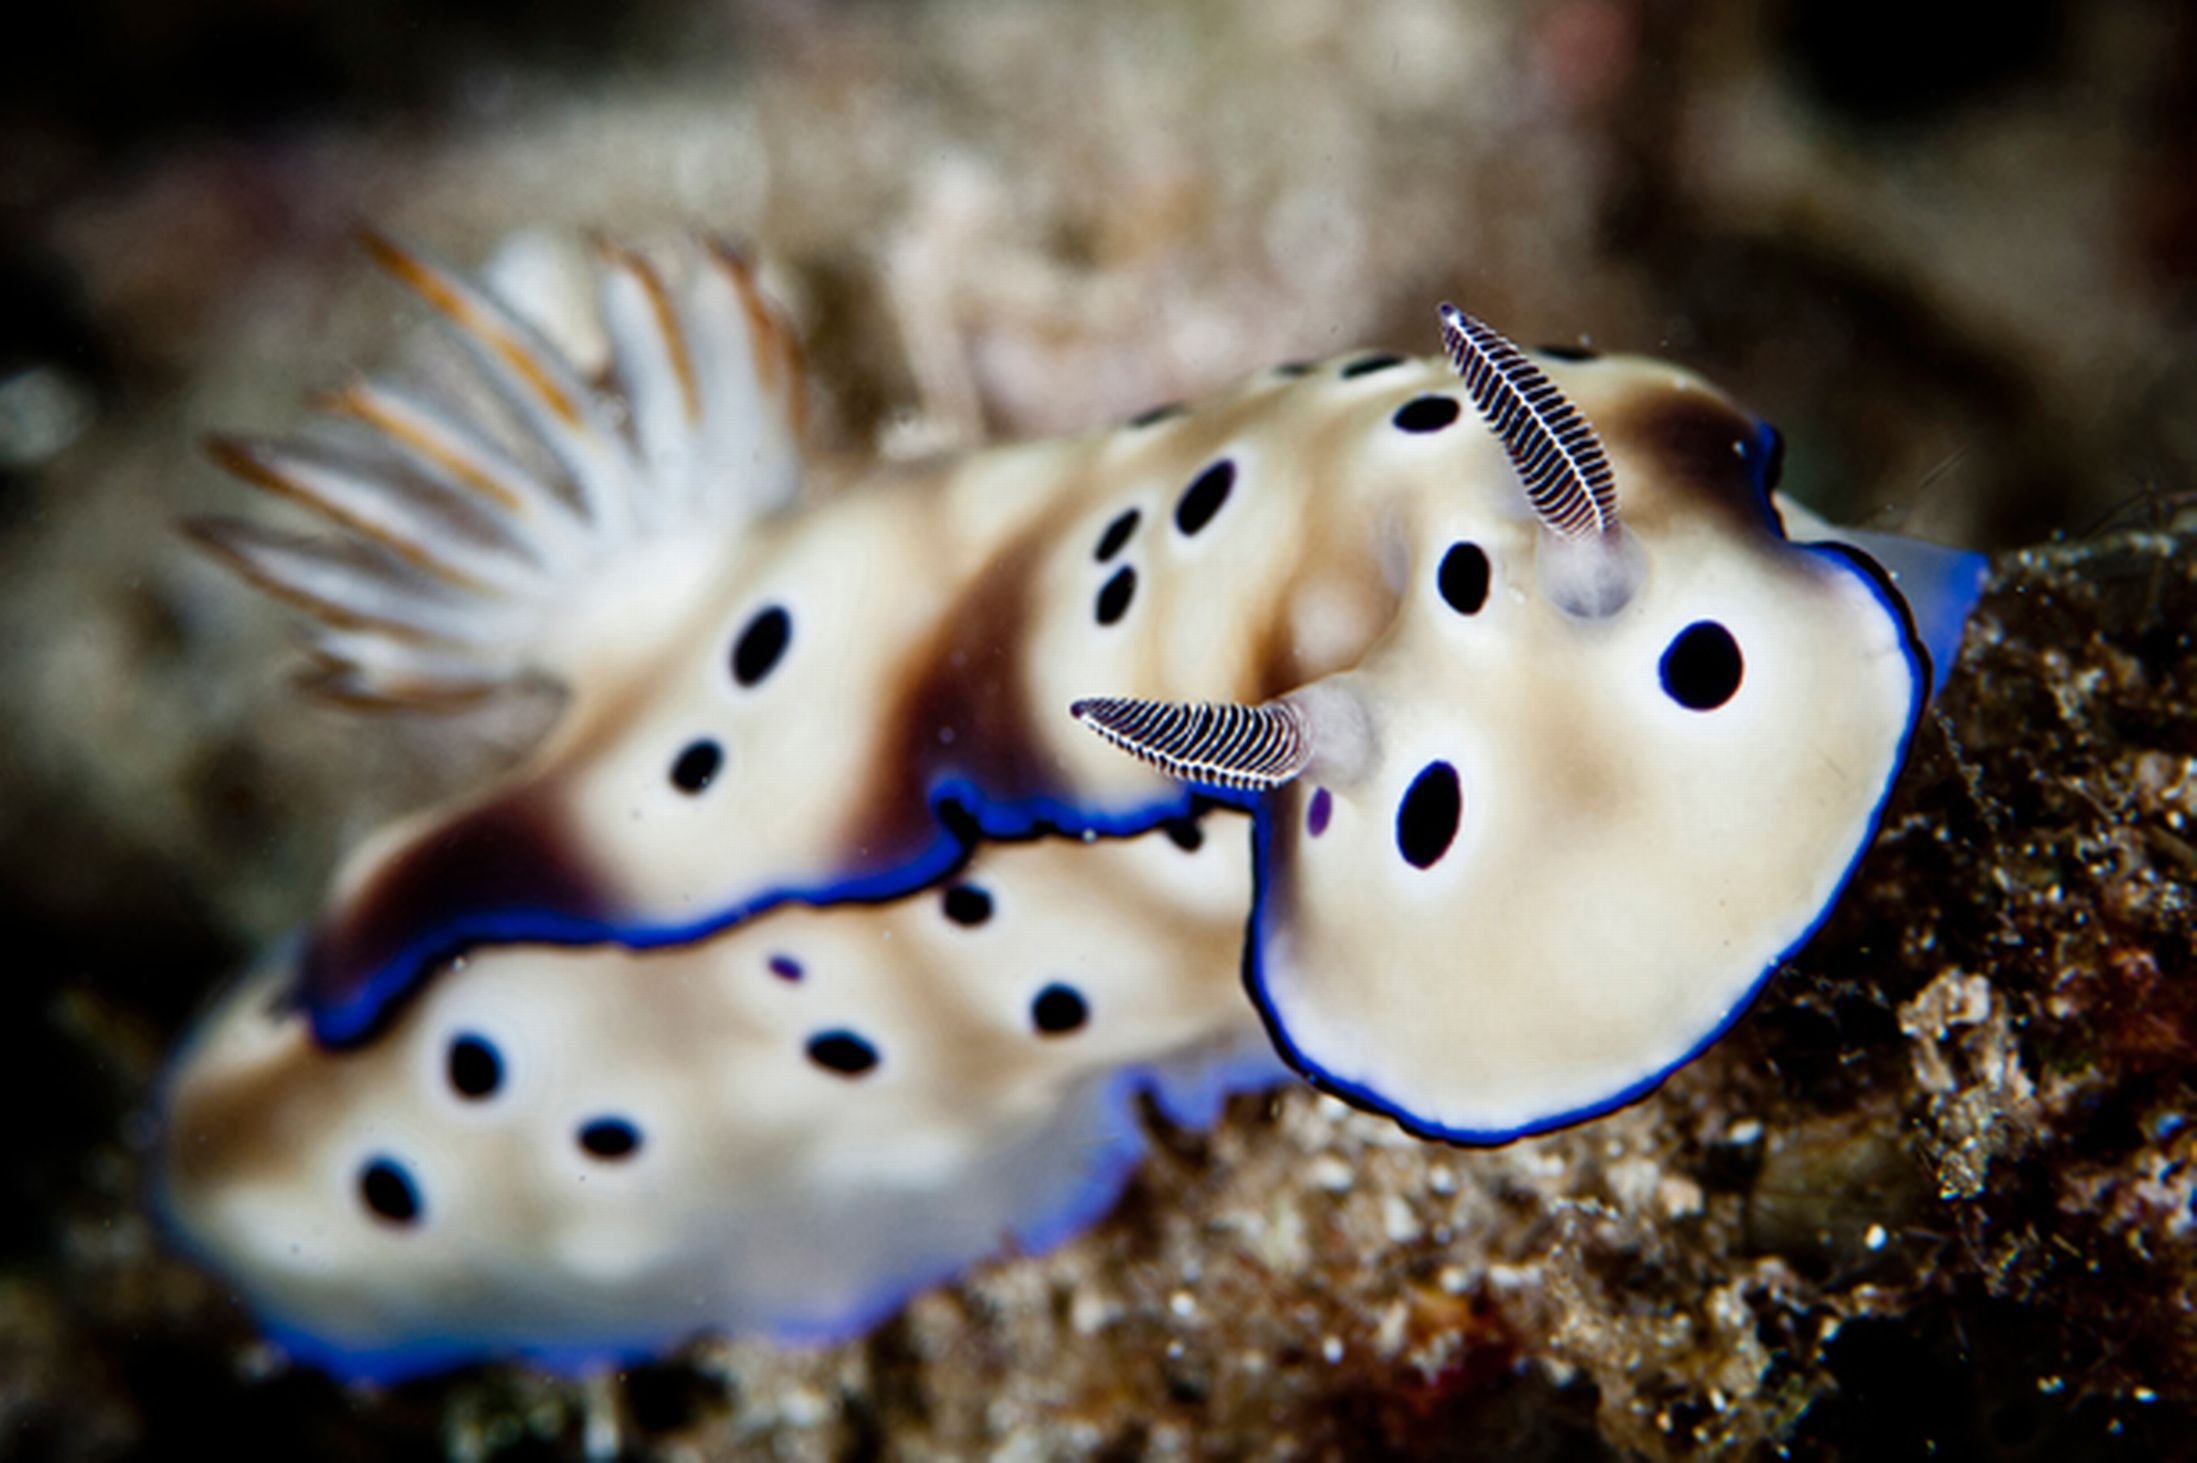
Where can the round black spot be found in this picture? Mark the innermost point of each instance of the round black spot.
(966, 904)
(1463, 578)
(610, 1138)
(1574, 353)
(475, 1069)
(761, 645)
(1367, 365)
(842, 1052)
(1426, 820)
(1204, 497)
(1702, 668)
(387, 1189)
(1186, 834)
(1058, 1010)
(1155, 415)
(1425, 414)
(1115, 594)
(1116, 537)
(785, 967)
(697, 766)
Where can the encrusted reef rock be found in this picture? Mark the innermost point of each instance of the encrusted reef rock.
(1934, 1194)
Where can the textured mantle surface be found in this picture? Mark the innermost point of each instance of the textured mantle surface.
(1938, 1187)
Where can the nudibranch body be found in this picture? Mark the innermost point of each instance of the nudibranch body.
(1552, 744)
(575, 1154)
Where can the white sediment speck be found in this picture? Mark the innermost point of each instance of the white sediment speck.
(42, 410)
(1331, 1174)
(1089, 1311)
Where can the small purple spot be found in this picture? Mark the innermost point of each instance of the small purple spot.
(785, 967)
(1323, 807)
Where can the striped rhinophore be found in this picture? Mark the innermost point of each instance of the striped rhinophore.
(1558, 456)
(1250, 748)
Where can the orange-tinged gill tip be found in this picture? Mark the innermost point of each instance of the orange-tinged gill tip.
(337, 682)
(251, 463)
(452, 301)
(221, 540)
(358, 402)
(667, 321)
(777, 352)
